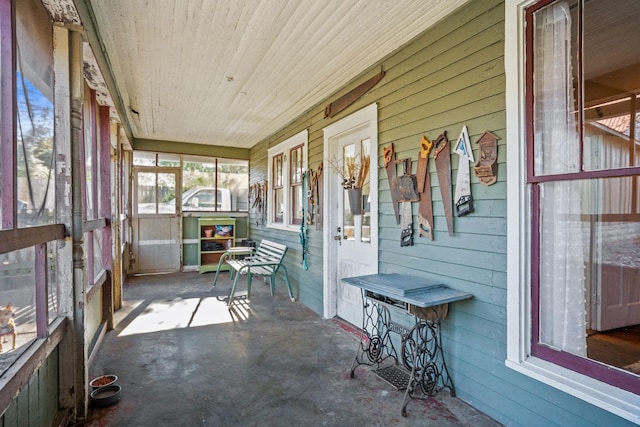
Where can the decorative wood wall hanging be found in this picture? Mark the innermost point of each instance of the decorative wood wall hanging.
(314, 208)
(462, 198)
(487, 167)
(258, 201)
(349, 98)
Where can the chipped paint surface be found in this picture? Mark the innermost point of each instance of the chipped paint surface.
(62, 11)
(94, 79)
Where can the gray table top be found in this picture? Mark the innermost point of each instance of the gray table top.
(418, 291)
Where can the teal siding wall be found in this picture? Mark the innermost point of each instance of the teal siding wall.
(306, 284)
(37, 403)
(450, 76)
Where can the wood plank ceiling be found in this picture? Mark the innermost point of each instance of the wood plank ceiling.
(233, 72)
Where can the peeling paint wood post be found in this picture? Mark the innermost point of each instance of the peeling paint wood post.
(80, 345)
(104, 142)
(116, 229)
(63, 194)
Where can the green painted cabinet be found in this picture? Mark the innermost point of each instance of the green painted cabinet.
(215, 236)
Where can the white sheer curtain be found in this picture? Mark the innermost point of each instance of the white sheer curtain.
(562, 279)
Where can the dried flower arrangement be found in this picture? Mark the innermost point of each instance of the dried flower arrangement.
(353, 170)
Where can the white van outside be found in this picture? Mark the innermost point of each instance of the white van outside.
(193, 200)
(205, 199)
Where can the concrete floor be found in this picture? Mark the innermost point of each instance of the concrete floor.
(184, 359)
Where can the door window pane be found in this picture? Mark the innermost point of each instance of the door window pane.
(146, 192)
(349, 196)
(348, 219)
(166, 193)
(365, 158)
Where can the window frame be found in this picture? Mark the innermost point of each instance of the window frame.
(156, 164)
(277, 177)
(296, 183)
(285, 148)
(51, 327)
(520, 202)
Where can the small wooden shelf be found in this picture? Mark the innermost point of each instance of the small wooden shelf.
(215, 236)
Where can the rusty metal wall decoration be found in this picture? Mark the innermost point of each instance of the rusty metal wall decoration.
(258, 201)
(406, 183)
(407, 188)
(314, 197)
(352, 96)
(425, 208)
(390, 166)
(487, 167)
(442, 158)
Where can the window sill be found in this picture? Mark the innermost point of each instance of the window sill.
(605, 396)
(276, 226)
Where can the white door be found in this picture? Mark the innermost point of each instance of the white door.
(351, 241)
(156, 226)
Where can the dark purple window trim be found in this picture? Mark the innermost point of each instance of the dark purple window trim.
(15, 239)
(535, 265)
(90, 146)
(608, 173)
(591, 368)
(528, 90)
(42, 308)
(7, 112)
(105, 184)
(599, 371)
(93, 106)
(83, 166)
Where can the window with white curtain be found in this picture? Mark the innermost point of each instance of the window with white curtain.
(581, 102)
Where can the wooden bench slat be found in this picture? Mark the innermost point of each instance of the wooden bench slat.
(266, 261)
